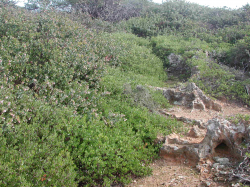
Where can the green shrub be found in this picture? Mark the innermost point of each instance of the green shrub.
(218, 81)
(239, 118)
(103, 158)
(239, 55)
(58, 124)
(141, 27)
(163, 46)
(51, 59)
(131, 38)
(35, 154)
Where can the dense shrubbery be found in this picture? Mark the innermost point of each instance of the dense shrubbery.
(180, 54)
(218, 80)
(163, 46)
(188, 19)
(71, 110)
(239, 55)
(58, 124)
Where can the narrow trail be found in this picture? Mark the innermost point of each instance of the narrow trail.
(173, 174)
(228, 109)
(168, 174)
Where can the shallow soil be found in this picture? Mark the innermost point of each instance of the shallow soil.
(228, 109)
(173, 174)
(170, 174)
(167, 174)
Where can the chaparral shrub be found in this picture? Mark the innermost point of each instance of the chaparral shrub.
(58, 125)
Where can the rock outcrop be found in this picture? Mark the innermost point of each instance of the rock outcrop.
(213, 150)
(190, 96)
(222, 139)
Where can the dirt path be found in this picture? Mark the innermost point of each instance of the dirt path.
(204, 115)
(171, 174)
(165, 174)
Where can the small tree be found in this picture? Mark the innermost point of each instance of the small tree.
(107, 10)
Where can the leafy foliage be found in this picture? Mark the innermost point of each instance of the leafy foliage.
(57, 122)
(219, 81)
(77, 104)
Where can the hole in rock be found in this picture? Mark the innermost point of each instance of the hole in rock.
(242, 140)
(222, 149)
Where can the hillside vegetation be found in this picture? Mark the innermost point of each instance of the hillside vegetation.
(77, 106)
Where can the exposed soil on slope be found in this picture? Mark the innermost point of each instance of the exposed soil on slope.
(173, 174)
(228, 109)
(169, 174)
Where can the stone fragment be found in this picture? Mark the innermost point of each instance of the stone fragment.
(218, 166)
(222, 161)
(160, 139)
(195, 132)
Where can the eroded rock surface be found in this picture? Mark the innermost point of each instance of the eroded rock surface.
(190, 96)
(222, 138)
(213, 152)
(196, 132)
(199, 123)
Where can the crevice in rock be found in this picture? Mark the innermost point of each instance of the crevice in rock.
(216, 156)
(242, 139)
(222, 149)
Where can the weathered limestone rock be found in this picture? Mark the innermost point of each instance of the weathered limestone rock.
(191, 96)
(222, 161)
(215, 155)
(175, 139)
(222, 138)
(221, 142)
(178, 67)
